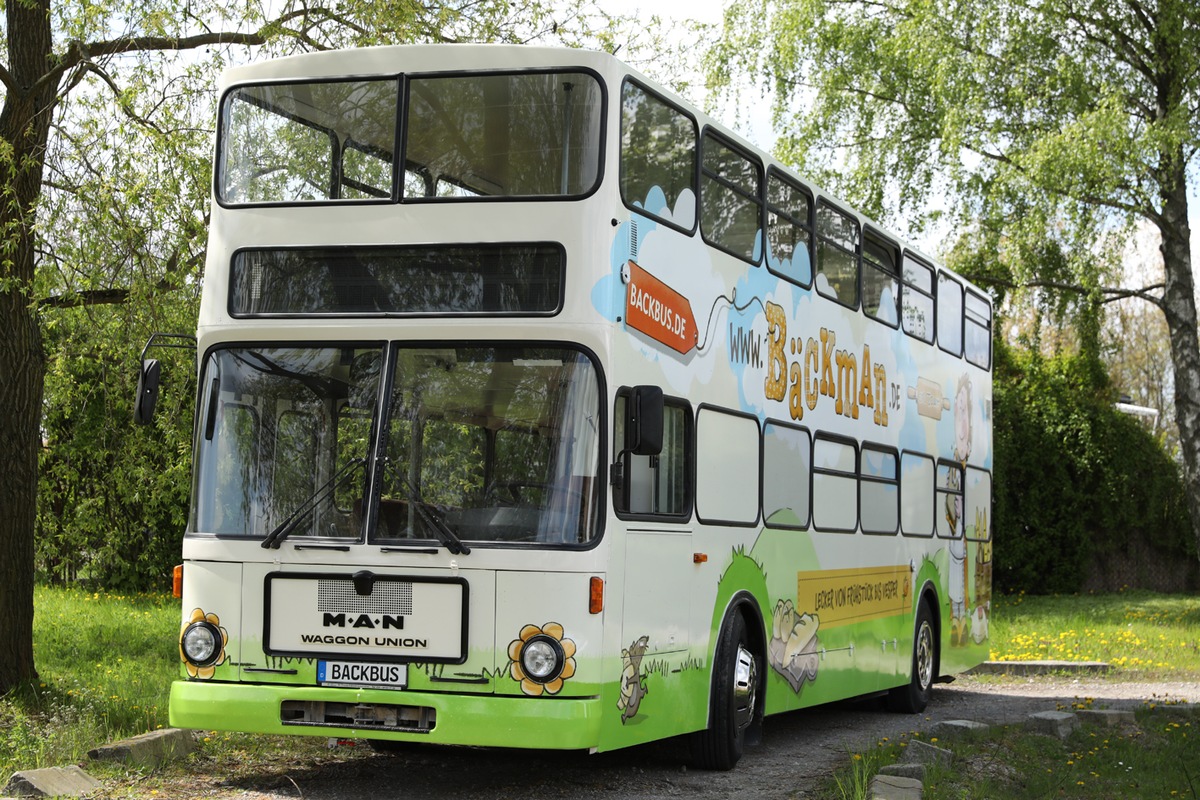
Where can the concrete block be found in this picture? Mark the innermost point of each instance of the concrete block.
(905, 769)
(922, 753)
(52, 782)
(1053, 723)
(1106, 717)
(960, 726)
(893, 787)
(147, 749)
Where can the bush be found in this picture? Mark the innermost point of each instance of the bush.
(1077, 482)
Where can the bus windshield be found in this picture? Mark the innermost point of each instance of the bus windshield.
(480, 444)
(530, 134)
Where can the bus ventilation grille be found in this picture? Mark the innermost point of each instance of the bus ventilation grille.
(359, 716)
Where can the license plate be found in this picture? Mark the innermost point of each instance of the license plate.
(354, 673)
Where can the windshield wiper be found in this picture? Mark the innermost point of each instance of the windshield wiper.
(285, 528)
(447, 536)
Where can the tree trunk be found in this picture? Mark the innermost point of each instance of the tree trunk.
(1179, 306)
(24, 131)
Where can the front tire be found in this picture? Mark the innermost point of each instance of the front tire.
(914, 695)
(735, 701)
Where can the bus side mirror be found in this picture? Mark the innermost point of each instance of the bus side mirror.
(644, 421)
(147, 391)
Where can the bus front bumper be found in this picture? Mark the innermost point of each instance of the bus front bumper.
(480, 720)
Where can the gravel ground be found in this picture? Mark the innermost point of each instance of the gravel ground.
(798, 751)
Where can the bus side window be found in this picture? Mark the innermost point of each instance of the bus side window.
(835, 484)
(977, 338)
(917, 474)
(838, 242)
(658, 157)
(918, 299)
(949, 505)
(656, 485)
(787, 472)
(879, 490)
(949, 314)
(730, 199)
(727, 467)
(880, 287)
(789, 229)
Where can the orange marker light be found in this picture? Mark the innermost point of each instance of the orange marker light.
(596, 596)
(177, 581)
(699, 558)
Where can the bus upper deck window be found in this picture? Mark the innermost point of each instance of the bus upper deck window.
(534, 134)
(838, 242)
(307, 142)
(658, 157)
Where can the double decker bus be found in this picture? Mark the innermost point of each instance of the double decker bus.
(537, 409)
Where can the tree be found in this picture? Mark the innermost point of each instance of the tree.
(84, 222)
(1051, 125)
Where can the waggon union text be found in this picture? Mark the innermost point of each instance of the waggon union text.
(363, 641)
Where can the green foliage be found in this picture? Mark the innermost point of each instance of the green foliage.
(1076, 481)
(106, 666)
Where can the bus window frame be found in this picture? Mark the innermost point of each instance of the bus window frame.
(986, 326)
(630, 80)
(991, 505)
(937, 315)
(882, 241)
(906, 286)
(856, 254)
(806, 523)
(853, 444)
(621, 492)
(715, 135)
(809, 226)
(886, 450)
(401, 156)
(953, 466)
(917, 454)
(335, 146)
(729, 412)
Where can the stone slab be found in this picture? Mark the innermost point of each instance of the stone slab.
(1107, 717)
(961, 726)
(894, 787)
(922, 753)
(52, 782)
(904, 769)
(1053, 723)
(147, 749)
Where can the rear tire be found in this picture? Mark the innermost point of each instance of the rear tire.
(914, 695)
(735, 701)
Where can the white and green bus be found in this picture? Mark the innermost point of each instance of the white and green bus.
(536, 409)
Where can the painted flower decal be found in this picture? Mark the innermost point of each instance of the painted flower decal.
(548, 638)
(205, 672)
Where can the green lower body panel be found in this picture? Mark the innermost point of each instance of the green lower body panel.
(536, 723)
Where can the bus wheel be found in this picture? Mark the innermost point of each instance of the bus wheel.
(733, 706)
(914, 695)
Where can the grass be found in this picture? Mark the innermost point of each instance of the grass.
(1143, 636)
(1156, 757)
(105, 664)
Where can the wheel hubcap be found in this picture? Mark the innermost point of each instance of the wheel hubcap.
(745, 680)
(924, 655)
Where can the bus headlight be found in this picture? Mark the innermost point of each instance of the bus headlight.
(201, 642)
(542, 659)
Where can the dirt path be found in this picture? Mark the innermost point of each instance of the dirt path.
(798, 750)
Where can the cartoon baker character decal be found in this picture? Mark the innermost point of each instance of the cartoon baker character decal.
(959, 622)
